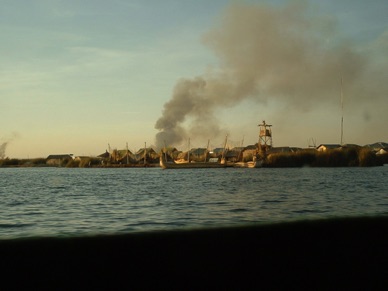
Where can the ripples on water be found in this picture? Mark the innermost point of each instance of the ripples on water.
(61, 201)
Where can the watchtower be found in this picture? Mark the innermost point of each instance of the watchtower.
(265, 138)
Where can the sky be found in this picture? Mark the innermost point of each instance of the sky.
(81, 77)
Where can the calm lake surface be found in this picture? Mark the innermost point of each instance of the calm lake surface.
(69, 202)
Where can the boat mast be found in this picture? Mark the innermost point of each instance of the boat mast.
(241, 150)
(188, 152)
(207, 150)
(145, 152)
(165, 151)
(342, 114)
(127, 154)
(223, 152)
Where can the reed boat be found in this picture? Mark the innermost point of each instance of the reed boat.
(256, 163)
(189, 165)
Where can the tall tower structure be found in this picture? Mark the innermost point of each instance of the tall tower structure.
(265, 138)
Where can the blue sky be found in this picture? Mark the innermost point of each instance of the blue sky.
(79, 75)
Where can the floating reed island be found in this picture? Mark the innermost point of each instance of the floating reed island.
(262, 154)
(341, 156)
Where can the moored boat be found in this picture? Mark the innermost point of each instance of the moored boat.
(189, 165)
(256, 163)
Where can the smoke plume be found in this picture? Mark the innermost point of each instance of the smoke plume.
(264, 52)
(3, 147)
(5, 142)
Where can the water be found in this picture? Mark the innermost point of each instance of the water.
(70, 202)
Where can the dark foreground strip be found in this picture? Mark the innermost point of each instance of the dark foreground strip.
(349, 253)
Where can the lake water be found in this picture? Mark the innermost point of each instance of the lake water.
(70, 202)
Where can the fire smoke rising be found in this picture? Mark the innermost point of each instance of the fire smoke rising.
(265, 52)
(3, 147)
(5, 143)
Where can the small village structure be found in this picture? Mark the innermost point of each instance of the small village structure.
(240, 156)
(148, 156)
(265, 138)
(378, 147)
(58, 160)
(326, 147)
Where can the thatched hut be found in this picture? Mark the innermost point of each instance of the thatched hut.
(148, 155)
(198, 154)
(59, 160)
(170, 153)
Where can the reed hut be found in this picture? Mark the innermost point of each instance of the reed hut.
(147, 155)
(58, 160)
(325, 147)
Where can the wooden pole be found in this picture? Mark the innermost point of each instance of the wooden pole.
(145, 152)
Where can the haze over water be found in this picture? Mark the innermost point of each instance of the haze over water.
(72, 202)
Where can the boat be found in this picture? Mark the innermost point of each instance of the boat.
(187, 164)
(164, 164)
(256, 163)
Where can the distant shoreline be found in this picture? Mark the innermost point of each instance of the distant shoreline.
(349, 157)
(90, 167)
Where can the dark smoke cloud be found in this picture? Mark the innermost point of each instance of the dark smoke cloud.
(264, 52)
(5, 143)
(3, 147)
